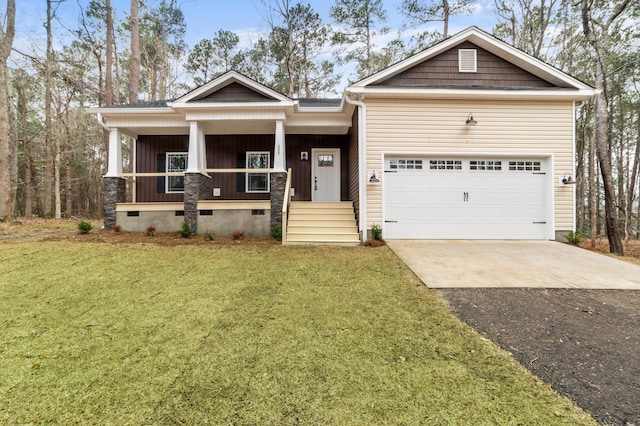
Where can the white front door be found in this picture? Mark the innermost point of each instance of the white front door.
(325, 174)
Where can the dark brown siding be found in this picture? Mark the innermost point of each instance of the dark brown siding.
(353, 163)
(234, 91)
(301, 179)
(147, 151)
(228, 152)
(442, 70)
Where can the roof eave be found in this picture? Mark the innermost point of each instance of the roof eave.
(476, 94)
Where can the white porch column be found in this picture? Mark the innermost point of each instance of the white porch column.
(202, 149)
(279, 152)
(193, 163)
(114, 166)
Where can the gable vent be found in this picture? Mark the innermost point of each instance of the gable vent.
(467, 60)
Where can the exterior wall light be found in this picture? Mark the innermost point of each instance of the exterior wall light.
(373, 178)
(470, 121)
(567, 179)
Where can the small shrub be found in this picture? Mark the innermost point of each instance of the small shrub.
(376, 232)
(150, 231)
(117, 229)
(84, 227)
(185, 232)
(276, 232)
(573, 238)
(208, 236)
(237, 235)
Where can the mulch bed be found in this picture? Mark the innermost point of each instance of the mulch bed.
(584, 343)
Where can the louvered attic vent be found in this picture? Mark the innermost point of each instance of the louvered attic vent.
(467, 60)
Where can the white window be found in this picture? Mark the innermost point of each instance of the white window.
(176, 162)
(445, 165)
(525, 166)
(467, 60)
(485, 165)
(258, 182)
(405, 164)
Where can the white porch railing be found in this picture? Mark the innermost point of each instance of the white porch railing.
(133, 176)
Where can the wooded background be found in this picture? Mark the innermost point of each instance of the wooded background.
(53, 155)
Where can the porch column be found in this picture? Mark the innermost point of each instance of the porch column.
(114, 187)
(279, 150)
(114, 165)
(193, 162)
(197, 186)
(278, 177)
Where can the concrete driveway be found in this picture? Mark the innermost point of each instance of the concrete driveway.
(537, 264)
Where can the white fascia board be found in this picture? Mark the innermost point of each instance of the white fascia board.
(200, 115)
(181, 106)
(333, 120)
(489, 43)
(130, 111)
(227, 79)
(489, 94)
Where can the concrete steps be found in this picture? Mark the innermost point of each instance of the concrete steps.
(322, 223)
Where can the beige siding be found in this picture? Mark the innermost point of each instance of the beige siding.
(504, 127)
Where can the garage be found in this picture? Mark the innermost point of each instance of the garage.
(452, 197)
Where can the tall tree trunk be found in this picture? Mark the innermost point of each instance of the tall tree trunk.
(445, 19)
(7, 187)
(602, 122)
(134, 73)
(56, 171)
(631, 190)
(108, 83)
(48, 165)
(593, 200)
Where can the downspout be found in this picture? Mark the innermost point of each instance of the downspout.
(362, 150)
(101, 123)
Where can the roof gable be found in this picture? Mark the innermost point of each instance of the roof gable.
(491, 45)
(442, 70)
(232, 87)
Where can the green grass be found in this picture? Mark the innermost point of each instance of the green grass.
(145, 334)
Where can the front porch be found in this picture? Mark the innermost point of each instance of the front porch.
(229, 156)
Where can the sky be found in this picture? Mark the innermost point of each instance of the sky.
(205, 17)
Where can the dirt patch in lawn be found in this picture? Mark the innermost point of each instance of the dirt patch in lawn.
(585, 343)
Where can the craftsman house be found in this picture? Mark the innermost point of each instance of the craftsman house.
(469, 139)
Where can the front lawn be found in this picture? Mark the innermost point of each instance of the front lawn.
(148, 334)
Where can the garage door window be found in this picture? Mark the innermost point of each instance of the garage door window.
(445, 165)
(485, 165)
(405, 164)
(524, 166)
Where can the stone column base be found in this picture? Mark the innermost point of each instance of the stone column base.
(196, 187)
(278, 183)
(114, 192)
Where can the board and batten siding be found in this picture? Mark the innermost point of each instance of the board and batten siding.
(504, 127)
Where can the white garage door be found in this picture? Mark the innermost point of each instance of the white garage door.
(465, 198)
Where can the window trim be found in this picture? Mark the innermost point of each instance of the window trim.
(267, 175)
(167, 186)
